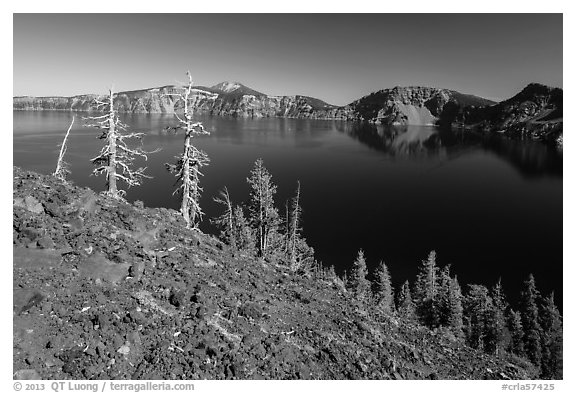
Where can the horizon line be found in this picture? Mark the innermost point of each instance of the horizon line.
(495, 99)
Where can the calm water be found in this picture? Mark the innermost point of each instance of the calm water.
(490, 208)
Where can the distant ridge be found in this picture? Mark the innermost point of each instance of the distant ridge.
(535, 112)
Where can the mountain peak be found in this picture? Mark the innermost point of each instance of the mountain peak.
(235, 88)
(228, 87)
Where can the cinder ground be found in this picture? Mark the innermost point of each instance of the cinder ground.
(107, 290)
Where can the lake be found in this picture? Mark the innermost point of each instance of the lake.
(490, 207)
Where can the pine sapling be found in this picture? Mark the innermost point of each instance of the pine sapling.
(383, 292)
(357, 282)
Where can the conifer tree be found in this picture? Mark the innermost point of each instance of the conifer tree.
(455, 310)
(331, 273)
(406, 307)
(529, 298)
(552, 338)
(62, 168)
(443, 297)
(477, 305)
(243, 233)
(426, 292)
(263, 214)
(514, 323)
(187, 168)
(293, 229)
(358, 284)
(497, 330)
(116, 158)
(383, 292)
(300, 255)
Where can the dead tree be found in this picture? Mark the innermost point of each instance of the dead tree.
(226, 220)
(189, 163)
(116, 159)
(62, 167)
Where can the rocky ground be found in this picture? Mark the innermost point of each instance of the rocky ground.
(108, 290)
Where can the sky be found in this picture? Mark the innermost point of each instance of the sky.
(334, 57)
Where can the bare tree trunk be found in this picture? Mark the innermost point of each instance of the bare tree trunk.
(60, 171)
(187, 168)
(195, 186)
(185, 206)
(112, 186)
(230, 215)
(116, 157)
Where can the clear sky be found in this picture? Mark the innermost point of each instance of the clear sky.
(335, 57)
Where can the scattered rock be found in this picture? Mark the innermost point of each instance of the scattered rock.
(28, 374)
(124, 350)
(146, 299)
(29, 203)
(176, 299)
(25, 299)
(87, 203)
(137, 270)
(200, 312)
(46, 243)
(97, 266)
(251, 310)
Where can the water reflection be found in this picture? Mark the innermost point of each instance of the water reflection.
(530, 158)
(396, 192)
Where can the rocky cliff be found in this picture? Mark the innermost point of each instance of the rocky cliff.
(223, 99)
(397, 106)
(414, 105)
(536, 113)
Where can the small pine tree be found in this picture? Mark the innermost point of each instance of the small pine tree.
(293, 229)
(426, 292)
(514, 322)
(477, 305)
(443, 297)
(264, 216)
(300, 255)
(330, 273)
(529, 298)
(455, 311)
(552, 338)
(497, 330)
(243, 234)
(383, 292)
(358, 284)
(406, 307)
